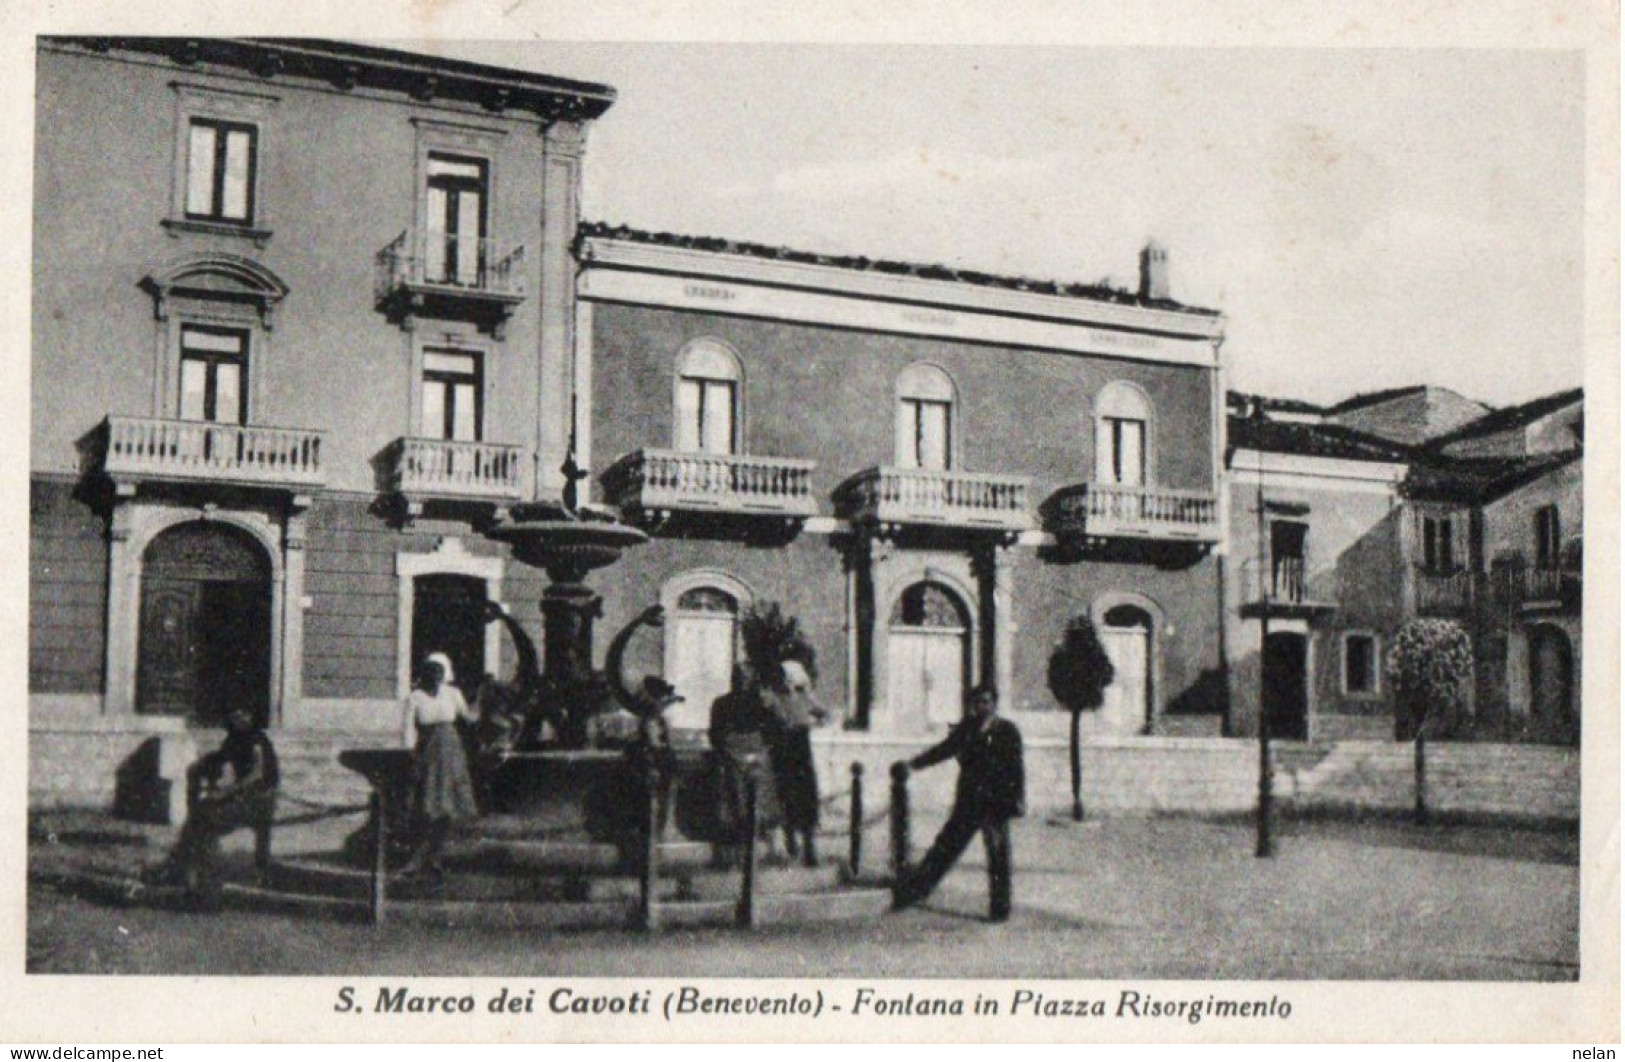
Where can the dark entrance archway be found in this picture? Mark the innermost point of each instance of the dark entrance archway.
(1551, 675)
(205, 636)
(1286, 685)
(448, 616)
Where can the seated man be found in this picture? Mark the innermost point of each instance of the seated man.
(217, 807)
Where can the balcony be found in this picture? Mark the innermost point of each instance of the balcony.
(1286, 590)
(1550, 590)
(892, 499)
(1098, 512)
(1445, 593)
(444, 470)
(184, 451)
(653, 485)
(445, 276)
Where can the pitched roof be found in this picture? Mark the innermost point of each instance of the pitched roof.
(1477, 480)
(1312, 440)
(717, 245)
(1512, 417)
(1371, 398)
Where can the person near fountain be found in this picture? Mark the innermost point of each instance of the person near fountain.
(741, 723)
(789, 695)
(992, 790)
(443, 789)
(216, 807)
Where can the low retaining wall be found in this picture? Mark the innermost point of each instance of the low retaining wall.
(1530, 781)
(108, 767)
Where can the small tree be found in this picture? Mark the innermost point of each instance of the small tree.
(770, 637)
(1079, 672)
(1429, 666)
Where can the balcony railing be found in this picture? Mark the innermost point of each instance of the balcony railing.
(1108, 511)
(1285, 590)
(184, 450)
(897, 497)
(450, 264)
(441, 468)
(664, 481)
(1445, 593)
(1496, 593)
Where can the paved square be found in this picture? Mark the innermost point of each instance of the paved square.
(1131, 897)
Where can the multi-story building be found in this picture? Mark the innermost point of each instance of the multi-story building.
(332, 312)
(1347, 521)
(934, 471)
(303, 324)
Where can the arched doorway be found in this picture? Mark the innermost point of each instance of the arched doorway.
(448, 616)
(704, 644)
(1126, 636)
(205, 630)
(1551, 675)
(927, 658)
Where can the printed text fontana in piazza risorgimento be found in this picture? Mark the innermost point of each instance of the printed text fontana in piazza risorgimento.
(673, 1004)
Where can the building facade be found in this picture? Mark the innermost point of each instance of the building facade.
(1436, 507)
(333, 313)
(292, 352)
(933, 472)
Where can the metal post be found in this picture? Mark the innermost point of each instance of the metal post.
(380, 852)
(1421, 773)
(1266, 844)
(648, 886)
(746, 914)
(899, 820)
(855, 832)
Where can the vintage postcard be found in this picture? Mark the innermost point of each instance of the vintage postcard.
(660, 523)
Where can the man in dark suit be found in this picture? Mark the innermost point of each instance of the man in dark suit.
(992, 790)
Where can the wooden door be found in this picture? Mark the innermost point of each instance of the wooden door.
(925, 669)
(166, 679)
(700, 664)
(1124, 711)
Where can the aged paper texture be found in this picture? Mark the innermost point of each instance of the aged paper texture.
(1345, 275)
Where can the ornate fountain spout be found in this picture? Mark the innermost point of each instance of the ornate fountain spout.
(564, 693)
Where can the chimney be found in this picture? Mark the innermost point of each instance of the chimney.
(1154, 271)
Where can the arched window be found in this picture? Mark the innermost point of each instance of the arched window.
(708, 413)
(1123, 436)
(925, 418)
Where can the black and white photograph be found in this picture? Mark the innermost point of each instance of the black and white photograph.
(867, 531)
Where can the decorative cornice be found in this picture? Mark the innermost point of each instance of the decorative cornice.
(607, 253)
(887, 315)
(347, 67)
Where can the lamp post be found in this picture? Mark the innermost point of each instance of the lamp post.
(1266, 844)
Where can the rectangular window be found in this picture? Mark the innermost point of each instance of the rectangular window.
(705, 415)
(454, 217)
(1548, 537)
(1125, 443)
(220, 171)
(1360, 668)
(452, 398)
(213, 366)
(924, 430)
(1438, 544)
